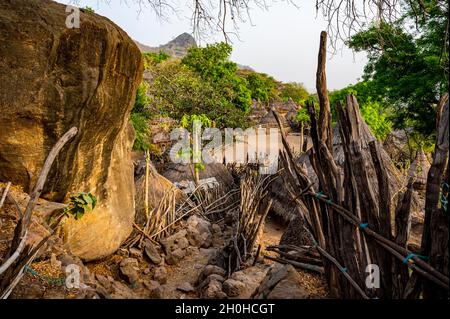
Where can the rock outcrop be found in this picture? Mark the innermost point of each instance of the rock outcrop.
(53, 78)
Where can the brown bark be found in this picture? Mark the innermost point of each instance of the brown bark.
(324, 124)
(435, 230)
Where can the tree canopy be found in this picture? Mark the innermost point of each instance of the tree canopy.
(408, 64)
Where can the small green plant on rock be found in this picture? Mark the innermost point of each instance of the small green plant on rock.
(80, 204)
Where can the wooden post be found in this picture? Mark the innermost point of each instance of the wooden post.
(324, 125)
(147, 168)
(435, 229)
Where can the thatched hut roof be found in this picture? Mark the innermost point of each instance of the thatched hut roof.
(269, 121)
(419, 170)
(283, 107)
(257, 112)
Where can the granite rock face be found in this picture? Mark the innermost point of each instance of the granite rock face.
(51, 79)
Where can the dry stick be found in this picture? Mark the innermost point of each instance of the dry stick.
(14, 256)
(147, 164)
(24, 223)
(43, 176)
(297, 264)
(300, 258)
(339, 266)
(13, 200)
(258, 251)
(142, 232)
(4, 194)
(25, 261)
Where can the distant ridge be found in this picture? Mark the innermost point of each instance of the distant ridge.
(177, 47)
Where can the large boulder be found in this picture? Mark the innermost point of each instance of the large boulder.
(53, 78)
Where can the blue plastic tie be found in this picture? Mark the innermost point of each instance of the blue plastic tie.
(344, 269)
(411, 255)
(319, 195)
(363, 225)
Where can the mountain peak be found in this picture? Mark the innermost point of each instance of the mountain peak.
(177, 47)
(184, 39)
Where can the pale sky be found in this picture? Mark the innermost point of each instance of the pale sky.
(281, 41)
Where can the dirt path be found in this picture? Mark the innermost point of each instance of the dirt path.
(313, 283)
(187, 270)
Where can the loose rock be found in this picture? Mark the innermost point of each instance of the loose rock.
(281, 282)
(160, 275)
(152, 253)
(129, 269)
(185, 287)
(233, 288)
(175, 256)
(213, 291)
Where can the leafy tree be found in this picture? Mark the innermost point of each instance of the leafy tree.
(408, 64)
(373, 108)
(296, 91)
(212, 64)
(177, 90)
(263, 87)
(188, 119)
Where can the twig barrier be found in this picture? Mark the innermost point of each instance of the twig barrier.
(384, 242)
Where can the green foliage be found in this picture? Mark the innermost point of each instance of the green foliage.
(212, 64)
(188, 119)
(142, 99)
(152, 58)
(80, 204)
(372, 106)
(177, 90)
(302, 116)
(376, 119)
(408, 64)
(263, 87)
(142, 137)
(296, 91)
(139, 118)
(89, 9)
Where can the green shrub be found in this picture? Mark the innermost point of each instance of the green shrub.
(142, 138)
(80, 204)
